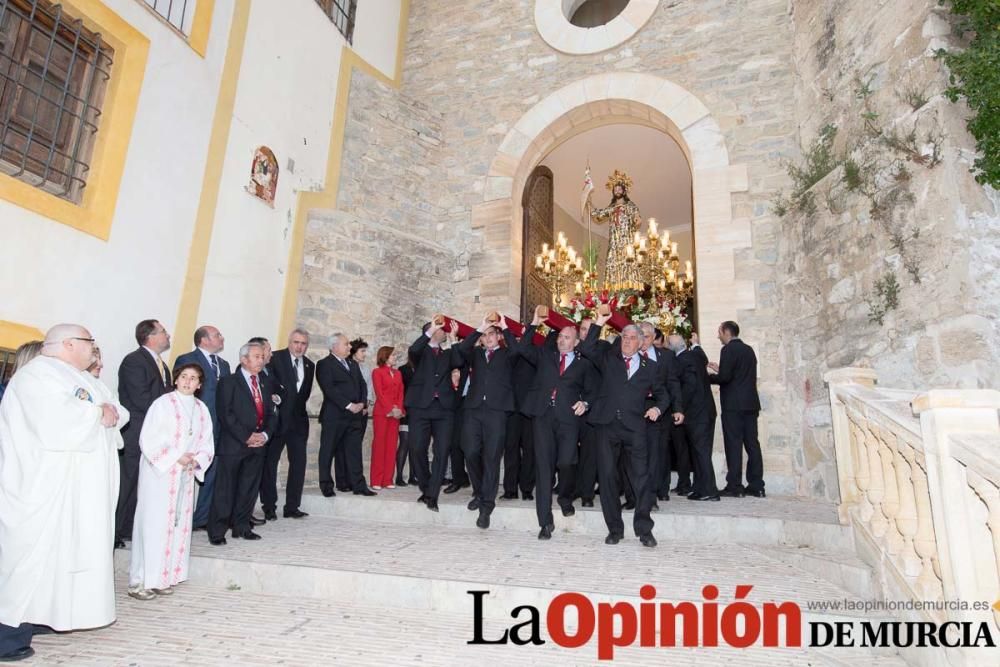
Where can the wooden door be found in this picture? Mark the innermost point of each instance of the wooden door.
(538, 229)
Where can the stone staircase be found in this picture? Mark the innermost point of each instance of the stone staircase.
(383, 580)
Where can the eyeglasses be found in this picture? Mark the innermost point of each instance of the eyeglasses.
(85, 340)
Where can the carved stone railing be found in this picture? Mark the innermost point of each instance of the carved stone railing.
(920, 483)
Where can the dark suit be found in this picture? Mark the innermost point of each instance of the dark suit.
(737, 380)
(403, 450)
(557, 385)
(430, 404)
(486, 407)
(458, 473)
(699, 417)
(518, 449)
(140, 382)
(660, 433)
(618, 413)
(342, 430)
(207, 396)
(293, 432)
(238, 478)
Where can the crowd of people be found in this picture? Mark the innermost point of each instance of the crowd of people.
(196, 447)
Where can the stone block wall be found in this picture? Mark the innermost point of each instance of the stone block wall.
(857, 57)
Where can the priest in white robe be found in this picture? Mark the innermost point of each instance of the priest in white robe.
(177, 443)
(58, 491)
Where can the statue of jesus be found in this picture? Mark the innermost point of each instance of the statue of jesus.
(623, 218)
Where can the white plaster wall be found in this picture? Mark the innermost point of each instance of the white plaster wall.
(285, 100)
(53, 273)
(376, 33)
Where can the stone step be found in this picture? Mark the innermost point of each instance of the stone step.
(431, 568)
(212, 625)
(787, 521)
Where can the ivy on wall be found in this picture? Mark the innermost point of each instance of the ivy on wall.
(975, 76)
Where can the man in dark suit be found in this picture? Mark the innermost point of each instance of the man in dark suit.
(487, 407)
(459, 476)
(699, 415)
(248, 420)
(294, 371)
(660, 432)
(342, 418)
(621, 415)
(736, 375)
(430, 405)
(142, 378)
(208, 343)
(518, 449)
(561, 391)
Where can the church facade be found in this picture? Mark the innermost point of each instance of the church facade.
(391, 186)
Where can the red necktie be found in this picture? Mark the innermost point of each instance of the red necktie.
(562, 369)
(258, 402)
(627, 361)
(437, 351)
(489, 355)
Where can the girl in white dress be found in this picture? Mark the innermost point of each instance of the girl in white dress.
(177, 446)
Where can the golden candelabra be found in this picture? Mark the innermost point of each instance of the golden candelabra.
(562, 268)
(659, 265)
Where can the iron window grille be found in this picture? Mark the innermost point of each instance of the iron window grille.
(343, 14)
(173, 12)
(53, 75)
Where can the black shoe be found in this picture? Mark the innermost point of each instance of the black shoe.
(654, 508)
(647, 541)
(452, 488)
(662, 496)
(271, 516)
(695, 496)
(365, 492)
(432, 505)
(483, 521)
(119, 543)
(400, 482)
(412, 481)
(587, 502)
(546, 532)
(527, 496)
(756, 493)
(294, 514)
(447, 480)
(217, 541)
(249, 535)
(328, 491)
(682, 490)
(509, 496)
(629, 505)
(19, 654)
(613, 538)
(256, 521)
(197, 528)
(473, 504)
(732, 493)
(569, 510)
(422, 498)
(343, 489)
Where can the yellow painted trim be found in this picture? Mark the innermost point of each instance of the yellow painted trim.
(194, 278)
(95, 213)
(201, 26)
(327, 197)
(13, 334)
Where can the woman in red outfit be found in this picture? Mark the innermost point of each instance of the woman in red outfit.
(388, 385)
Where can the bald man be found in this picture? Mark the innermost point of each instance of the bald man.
(58, 488)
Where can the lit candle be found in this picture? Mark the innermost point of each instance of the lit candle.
(652, 227)
(663, 285)
(538, 262)
(687, 267)
(672, 275)
(637, 238)
(680, 284)
(642, 245)
(579, 288)
(673, 248)
(631, 251)
(545, 248)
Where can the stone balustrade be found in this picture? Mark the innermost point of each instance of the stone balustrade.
(920, 484)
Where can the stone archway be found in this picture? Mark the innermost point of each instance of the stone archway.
(601, 100)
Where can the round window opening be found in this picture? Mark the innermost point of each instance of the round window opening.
(592, 13)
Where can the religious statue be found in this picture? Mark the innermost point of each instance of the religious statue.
(622, 216)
